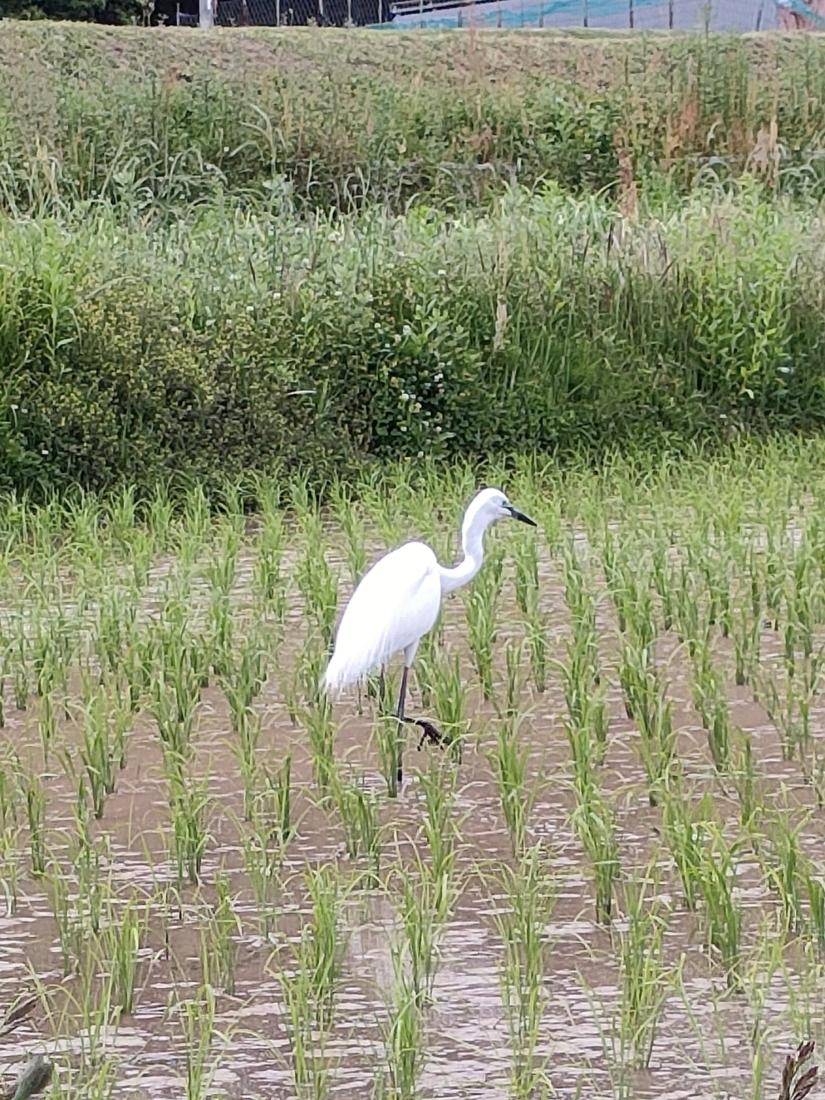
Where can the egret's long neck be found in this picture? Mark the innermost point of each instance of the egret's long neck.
(472, 543)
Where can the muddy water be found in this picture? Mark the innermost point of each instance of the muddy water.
(704, 1045)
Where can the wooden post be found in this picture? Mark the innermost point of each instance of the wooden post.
(206, 14)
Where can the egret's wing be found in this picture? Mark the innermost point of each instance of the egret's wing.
(394, 605)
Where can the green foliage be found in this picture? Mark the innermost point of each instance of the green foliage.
(342, 120)
(208, 271)
(189, 352)
(87, 11)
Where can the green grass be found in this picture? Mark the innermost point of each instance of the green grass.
(140, 116)
(207, 272)
(233, 341)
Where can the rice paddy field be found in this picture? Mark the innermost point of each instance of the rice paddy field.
(610, 881)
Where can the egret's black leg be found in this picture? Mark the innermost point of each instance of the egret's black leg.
(399, 714)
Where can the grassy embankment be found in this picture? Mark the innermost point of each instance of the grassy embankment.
(460, 244)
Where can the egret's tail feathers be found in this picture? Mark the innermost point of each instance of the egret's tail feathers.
(342, 673)
(335, 677)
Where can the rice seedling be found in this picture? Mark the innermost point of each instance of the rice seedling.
(97, 751)
(308, 979)
(509, 707)
(815, 892)
(262, 857)
(320, 730)
(9, 868)
(420, 911)
(645, 978)
(481, 613)
(722, 910)
(802, 980)
(744, 633)
(745, 781)
(711, 702)
(645, 693)
(279, 791)
(662, 577)
(404, 1041)
(584, 692)
(316, 582)
(70, 930)
(47, 725)
(325, 945)
(241, 688)
(220, 575)
(527, 896)
(21, 671)
(119, 942)
(388, 735)
(269, 583)
(692, 625)
(197, 1024)
(35, 802)
(525, 558)
(349, 519)
(758, 971)
(684, 825)
(358, 811)
(508, 760)
(438, 787)
(190, 809)
(175, 688)
(783, 868)
(307, 1049)
(439, 674)
(594, 824)
(220, 930)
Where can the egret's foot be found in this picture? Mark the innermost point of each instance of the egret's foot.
(431, 734)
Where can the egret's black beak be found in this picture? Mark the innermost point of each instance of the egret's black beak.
(516, 514)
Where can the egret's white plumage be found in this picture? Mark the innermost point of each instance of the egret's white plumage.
(398, 599)
(395, 604)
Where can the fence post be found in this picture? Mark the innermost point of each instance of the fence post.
(206, 14)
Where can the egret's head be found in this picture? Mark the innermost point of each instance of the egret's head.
(492, 504)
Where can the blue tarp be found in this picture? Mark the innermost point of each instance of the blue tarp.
(529, 13)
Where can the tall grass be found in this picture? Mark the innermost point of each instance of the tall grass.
(664, 289)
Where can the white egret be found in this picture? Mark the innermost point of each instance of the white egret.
(398, 599)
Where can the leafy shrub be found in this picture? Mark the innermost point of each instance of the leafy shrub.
(232, 342)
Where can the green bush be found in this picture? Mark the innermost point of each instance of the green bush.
(227, 343)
